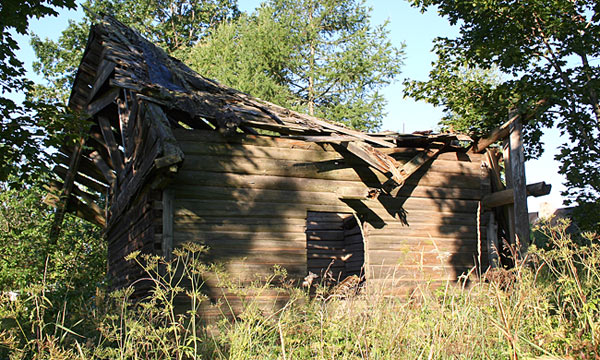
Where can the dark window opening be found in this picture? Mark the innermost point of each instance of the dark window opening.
(335, 246)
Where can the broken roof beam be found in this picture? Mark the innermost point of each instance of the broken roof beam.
(103, 101)
(503, 130)
(498, 133)
(505, 197)
(417, 162)
(370, 155)
(353, 133)
(104, 71)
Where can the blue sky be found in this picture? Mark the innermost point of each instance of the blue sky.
(407, 25)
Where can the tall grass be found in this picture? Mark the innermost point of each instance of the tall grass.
(548, 306)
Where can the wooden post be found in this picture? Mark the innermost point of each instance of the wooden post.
(492, 242)
(517, 168)
(167, 219)
(508, 210)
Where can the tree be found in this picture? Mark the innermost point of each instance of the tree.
(322, 57)
(20, 140)
(27, 256)
(544, 49)
(250, 54)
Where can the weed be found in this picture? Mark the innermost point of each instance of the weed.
(548, 305)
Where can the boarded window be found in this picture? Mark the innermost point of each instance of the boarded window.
(335, 245)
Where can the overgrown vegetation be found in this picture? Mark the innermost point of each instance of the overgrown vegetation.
(545, 307)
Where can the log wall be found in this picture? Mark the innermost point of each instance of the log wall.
(247, 198)
(137, 229)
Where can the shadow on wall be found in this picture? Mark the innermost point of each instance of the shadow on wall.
(248, 203)
(431, 224)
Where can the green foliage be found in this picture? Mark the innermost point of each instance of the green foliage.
(20, 139)
(544, 50)
(322, 57)
(250, 54)
(74, 263)
(45, 276)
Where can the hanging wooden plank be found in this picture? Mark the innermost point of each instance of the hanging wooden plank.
(131, 124)
(517, 165)
(160, 123)
(508, 210)
(113, 148)
(65, 194)
(492, 157)
(168, 197)
(96, 142)
(124, 116)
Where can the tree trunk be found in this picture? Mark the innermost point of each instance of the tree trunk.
(311, 70)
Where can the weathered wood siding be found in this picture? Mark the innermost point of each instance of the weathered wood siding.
(137, 229)
(247, 198)
(325, 244)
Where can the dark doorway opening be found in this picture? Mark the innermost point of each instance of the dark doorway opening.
(335, 246)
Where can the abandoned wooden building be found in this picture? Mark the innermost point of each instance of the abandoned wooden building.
(172, 157)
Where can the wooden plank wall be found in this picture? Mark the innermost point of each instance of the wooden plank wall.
(137, 229)
(325, 244)
(335, 244)
(247, 198)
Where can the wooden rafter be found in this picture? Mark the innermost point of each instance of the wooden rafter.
(62, 171)
(103, 101)
(103, 167)
(105, 69)
(111, 143)
(65, 194)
